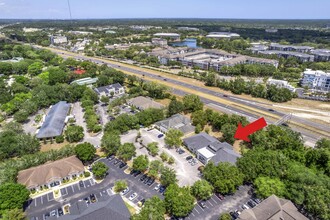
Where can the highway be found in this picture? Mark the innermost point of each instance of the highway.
(310, 130)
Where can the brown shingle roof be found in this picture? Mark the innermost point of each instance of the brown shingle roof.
(273, 208)
(49, 171)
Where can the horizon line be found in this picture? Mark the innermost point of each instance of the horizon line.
(68, 19)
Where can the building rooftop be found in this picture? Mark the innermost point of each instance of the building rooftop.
(85, 81)
(107, 88)
(297, 54)
(142, 103)
(50, 171)
(54, 121)
(112, 208)
(167, 35)
(177, 121)
(273, 208)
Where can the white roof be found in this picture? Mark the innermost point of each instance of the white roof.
(206, 153)
(167, 34)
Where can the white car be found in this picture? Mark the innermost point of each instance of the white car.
(125, 191)
(133, 196)
(157, 187)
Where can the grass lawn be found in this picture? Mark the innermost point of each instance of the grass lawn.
(130, 208)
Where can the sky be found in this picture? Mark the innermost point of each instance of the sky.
(245, 9)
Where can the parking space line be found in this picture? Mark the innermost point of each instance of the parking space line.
(196, 210)
(92, 182)
(193, 213)
(35, 202)
(78, 186)
(201, 208)
(41, 200)
(210, 203)
(214, 200)
(218, 198)
(72, 188)
(100, 193)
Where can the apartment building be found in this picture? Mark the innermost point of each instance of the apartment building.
(281, 84)
(280, 47)
(159, 42)
(317, 80)
(302, 57)
(321, 55)
(58, 39)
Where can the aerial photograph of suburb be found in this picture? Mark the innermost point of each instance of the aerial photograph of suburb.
(164, 110)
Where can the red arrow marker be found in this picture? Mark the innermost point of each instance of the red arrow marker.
(243, 133)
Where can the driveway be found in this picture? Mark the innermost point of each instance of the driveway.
(78, 113)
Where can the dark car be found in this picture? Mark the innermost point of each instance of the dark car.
(221, 197)
(234, 215)
(132, 172)
(150, 182)
(122, 164)
(285, 124)
(137, 173)
(87, 200)
(181, 151)
(146, 180)
(47, 215)
(93, 198)
(225, 95)
(271, 110)
(60, 211)
(143, 177)
(257, 200)
(165, 79)
(189, 157)
(202, 204)
(252, 203)
(160, 135)
(142, 201)
(81, 184)
(162, 189)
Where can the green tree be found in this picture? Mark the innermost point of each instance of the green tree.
(225, 216)
(99, 170)
(178, 200)
(74, 133)
(126, 151)
(35, 68)
(141, 163)
(155, 168)
(224, 177)
(202, 189)
(171, 160)
(85, 151)
(153, 209)
(266, 186)
(14, 214)
(6, 68)
(175, 107)
(192, 103)
(168, 176)
(164, 156)
(173, 138)
(105, 99)
(12, 195)
(153, 148)
(57, 75)
(323, 143)
(228, 132)
(110, 142)
(199, 118)
(120, 185)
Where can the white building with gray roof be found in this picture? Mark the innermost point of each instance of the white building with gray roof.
(176, 121)
(110, 90)
(208, 148)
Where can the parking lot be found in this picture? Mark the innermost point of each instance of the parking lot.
(215, 206)
(186, 173)
(46, 204)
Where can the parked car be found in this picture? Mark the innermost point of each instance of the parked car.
(122, 164)
(202, 204)
(141, 202)
(93, 198)
(81, 184)
(116, 161)
(258, 201)
(47, 215)
(160, 135)
(137, 173)
(162, 189)
(111, 157)
(252, 203)
(234, 215)
(87, 200)
(125, 191)
(143, 177)
(157, 187)
(133, 196)
(189, 158)
(133, 172)
(60, 212)
(146, 180)
(244, 206)
(53, 213)
(151, 181)
(221, 197)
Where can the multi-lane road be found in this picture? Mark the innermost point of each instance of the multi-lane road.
(310, 130)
